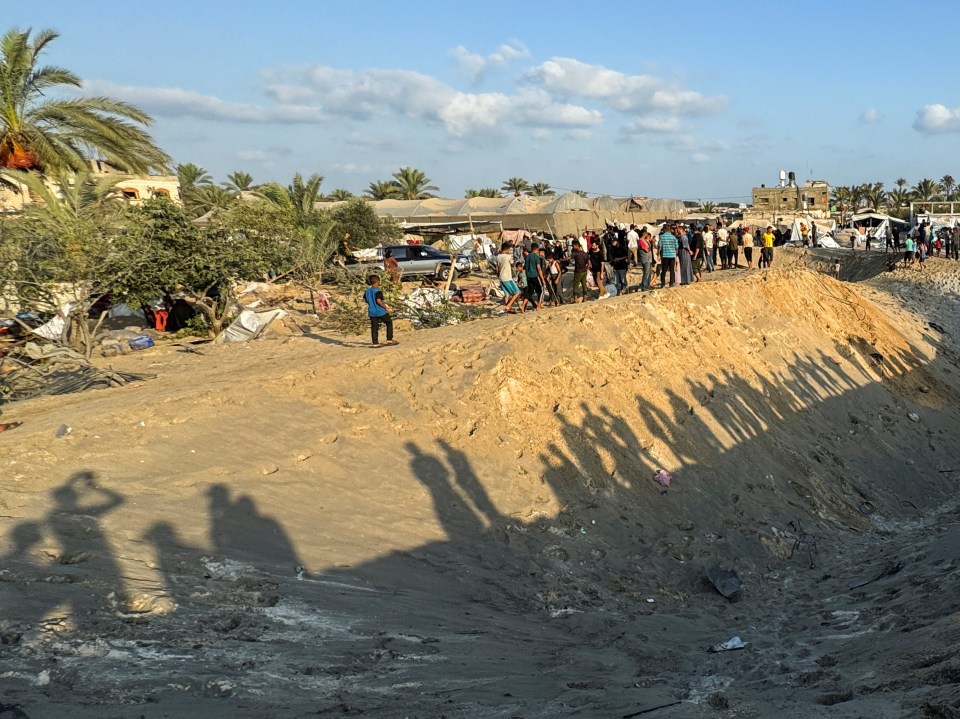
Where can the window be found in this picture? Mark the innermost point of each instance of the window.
(161, 192)
(130, 193)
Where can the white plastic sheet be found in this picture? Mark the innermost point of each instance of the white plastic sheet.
(250, 325)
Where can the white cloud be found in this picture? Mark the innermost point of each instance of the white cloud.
(937, 119)
(699, 158)
(175, 102)
(475, 65)
(384, 93)
(653, 124)
(870, 116)
(630, 94)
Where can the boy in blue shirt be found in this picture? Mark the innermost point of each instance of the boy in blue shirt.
(378, 312)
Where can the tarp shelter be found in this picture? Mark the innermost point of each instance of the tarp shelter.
(878, 224)
(824, 231)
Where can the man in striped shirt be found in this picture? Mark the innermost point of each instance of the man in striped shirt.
(668, 255)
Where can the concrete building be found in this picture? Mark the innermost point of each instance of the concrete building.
(134, 188)
(811, 199)
(137, 188)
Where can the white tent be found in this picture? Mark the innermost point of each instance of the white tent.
(825, 231)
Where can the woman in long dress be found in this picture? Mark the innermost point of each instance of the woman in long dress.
(685, 255)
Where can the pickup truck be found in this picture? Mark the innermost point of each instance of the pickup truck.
(414, 261)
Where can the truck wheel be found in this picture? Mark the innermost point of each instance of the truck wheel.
(443, 273)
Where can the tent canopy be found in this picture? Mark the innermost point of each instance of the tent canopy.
(876, 216)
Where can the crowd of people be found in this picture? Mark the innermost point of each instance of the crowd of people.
(531, 272)
(922, 242)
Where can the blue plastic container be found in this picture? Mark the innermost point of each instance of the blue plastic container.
(140, 343)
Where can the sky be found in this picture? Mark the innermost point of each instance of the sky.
(698, 100)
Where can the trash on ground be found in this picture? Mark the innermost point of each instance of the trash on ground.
(725, 581)
(914, 417)
(662, 477)
(63, 431)
(249, 325)
(7, 426)
(729, 645)
(141, 342)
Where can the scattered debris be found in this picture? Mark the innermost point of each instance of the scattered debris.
(729, 645)
(914, 417)
(938, 328)
(249, 325)
(725, 581)
(63, 430)
(7, 426)
(34, 370)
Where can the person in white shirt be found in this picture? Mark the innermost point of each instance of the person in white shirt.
(723, 247)
(708, 243)
(633, 241)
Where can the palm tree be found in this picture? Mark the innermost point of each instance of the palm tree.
(382, 190)
(875, 196)
(299, 198)
(209, 197)
(516, 185)
(483, 192)
(900, 182)
(540, 189)
(191, 176)
(843, 199)
(238, 182)
(708, 207)
(925, 191)
(413, 184)
(896, 201)
(339, 195)
(856, 196)
(948, 184)
(580, 193)
(42, 130)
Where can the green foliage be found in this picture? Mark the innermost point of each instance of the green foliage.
(483, 192)
(413, 184)
(540, 189)
(204, 262)
(339, 195)
(925, 191)
(365, 228)
(42, 129)
(383, 190)
(238, 182)
(68, 247)
(515, 185)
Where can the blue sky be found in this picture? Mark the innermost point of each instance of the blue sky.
(685, 99)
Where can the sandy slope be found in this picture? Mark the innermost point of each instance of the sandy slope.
(477, 524)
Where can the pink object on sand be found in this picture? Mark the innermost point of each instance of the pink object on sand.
(662, 477)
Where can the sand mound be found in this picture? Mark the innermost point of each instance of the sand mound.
(467, 524)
